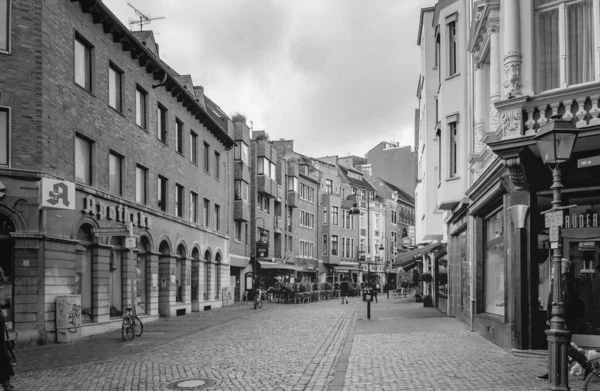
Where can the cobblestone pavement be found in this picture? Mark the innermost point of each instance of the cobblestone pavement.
(315, 346)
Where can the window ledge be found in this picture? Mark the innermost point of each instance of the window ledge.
(84, 89)
(180, 153)
(144, 129)
(163, 142)
(457, 74)
(5, 52)
(117, 111)
(194, 163)
(454, 178)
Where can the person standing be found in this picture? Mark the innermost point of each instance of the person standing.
(374, 289)
(344, 291)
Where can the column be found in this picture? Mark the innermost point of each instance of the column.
(495, 121)
(480, 102)
(186, 271)
(128, 275)
(152, 286)
(512, 49)
(100, 282)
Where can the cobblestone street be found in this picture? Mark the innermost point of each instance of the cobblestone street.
(316, 346)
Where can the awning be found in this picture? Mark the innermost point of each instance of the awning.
(237, 261)
(275, 265)
(403, 260)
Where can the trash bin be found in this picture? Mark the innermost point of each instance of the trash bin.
(68, 318)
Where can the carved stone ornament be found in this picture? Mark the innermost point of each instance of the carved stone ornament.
(511, 120)
(518, 176)
(479, 132)
(512, 79)
(495, 119)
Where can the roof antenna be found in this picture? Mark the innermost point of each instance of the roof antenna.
(144, 19)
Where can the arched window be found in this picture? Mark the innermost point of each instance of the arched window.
(179, 272)
(207, 275)
(218, 275)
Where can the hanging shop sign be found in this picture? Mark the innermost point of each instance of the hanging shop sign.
(581, 220)
(588, 162)
(119, 213)
(57, 194)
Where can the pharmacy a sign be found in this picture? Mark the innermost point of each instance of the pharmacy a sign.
(57, 194)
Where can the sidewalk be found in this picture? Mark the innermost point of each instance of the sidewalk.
(110, 345)
(405, 346)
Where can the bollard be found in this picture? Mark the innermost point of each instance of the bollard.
(368, 308)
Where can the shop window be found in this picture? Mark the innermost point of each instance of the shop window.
(207, 274)
(494, 263)
(83, 271)
(179, 273)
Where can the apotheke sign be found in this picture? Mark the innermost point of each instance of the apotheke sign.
(118, 213)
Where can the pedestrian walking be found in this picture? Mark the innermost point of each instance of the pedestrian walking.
(574, 309)
(344, 291)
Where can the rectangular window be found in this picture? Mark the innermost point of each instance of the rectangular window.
(193, 147)
(266, 205)
(178, 200)
(140, 107)
(5, 25)
(292, 184)
(83, 63)
(334, 245)
(141, 184)
(453, 149)
(325, 244)
(161, 123)
(328, 186)
(206, 157)
(115, 89)
(452, 69)
(217, 165)
(115, 170)
(325, 215)
(83, 160)
(241, 152)
(4, 136)
(237, 231)
(334, 215)
(241, 190)
(273, 170)
(494, 264)
(193, 207)
(162, 193)
(217, 217)
(206, 213)
(178, 136)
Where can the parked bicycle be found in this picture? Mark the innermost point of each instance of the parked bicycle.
(592, 380)
(132, 325)
(257, 299)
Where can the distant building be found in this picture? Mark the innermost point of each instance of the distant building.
(395, 164)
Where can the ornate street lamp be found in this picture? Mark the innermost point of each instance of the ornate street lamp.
(555, 141)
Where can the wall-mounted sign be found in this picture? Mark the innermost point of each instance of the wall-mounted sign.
(119, 213)
(581, 220)
(553, 232)
(554, 219)
(56, 194)
(130, 242)
(588, 162)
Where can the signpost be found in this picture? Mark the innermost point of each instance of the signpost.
(588, 162)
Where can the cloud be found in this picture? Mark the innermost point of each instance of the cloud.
(336, 76)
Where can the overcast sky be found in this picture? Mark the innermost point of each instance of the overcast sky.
(335, 76)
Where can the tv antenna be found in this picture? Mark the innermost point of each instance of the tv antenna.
(144, 18)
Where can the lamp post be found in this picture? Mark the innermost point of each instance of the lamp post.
(262, 248)
(555, 141)
(386, 263)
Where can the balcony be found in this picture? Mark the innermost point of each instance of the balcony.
(241, 211)
(292, 199)
(523, 116)
(265, 186)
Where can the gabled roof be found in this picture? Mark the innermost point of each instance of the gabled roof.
(404, 196)
(355, 182)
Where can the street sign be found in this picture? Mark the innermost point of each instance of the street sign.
(588, 162)
(111, 231)
(130, 242)
(554, 219)
(553, 234)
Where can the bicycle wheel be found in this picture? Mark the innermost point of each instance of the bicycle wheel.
(592, 381)
(126, 330)
(139, 327)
